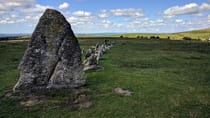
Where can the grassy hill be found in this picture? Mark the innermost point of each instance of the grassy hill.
(207, 30)
(202, 34)
(168, 79)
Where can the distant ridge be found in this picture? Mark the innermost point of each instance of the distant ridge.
(96, 34)
(206, 30)
(201, 34)
(12, 35)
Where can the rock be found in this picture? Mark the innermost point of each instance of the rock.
(33, 100)
(103, 48)
(53, 56)
(97, 46)
(93, 67)
(86, 105)
(89, 52)
(99, 53)
(91, 60)
(121, 91)
(82, 51)
(91, 63)
(106, 42)
(80, 102)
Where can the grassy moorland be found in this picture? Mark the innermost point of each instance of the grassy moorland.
(202, 34)
(168, 79)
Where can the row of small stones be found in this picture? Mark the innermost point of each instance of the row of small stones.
(92, 57)
(95, 53)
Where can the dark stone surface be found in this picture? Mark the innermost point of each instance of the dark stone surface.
(53, 56)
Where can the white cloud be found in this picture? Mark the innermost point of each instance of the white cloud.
(179, 10)
(178, 20)
(80, 21)
(76, 21)
(107, 23)
(32, 18)
(198, 14)
(160, 21)
(6, 22)
(168, 16)
(81, 14)
(191, 8)
(35, 9)
(72, 19)
(11, 21)
(65, 5)
(103, 15)
(20, 11)
(27, 13)
(13, 16)
(146, 23)
(131, 12)
(12, 4)
(80, 18)
(205, 6)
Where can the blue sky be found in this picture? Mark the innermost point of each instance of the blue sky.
(99, 16)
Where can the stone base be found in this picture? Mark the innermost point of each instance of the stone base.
(93, 67)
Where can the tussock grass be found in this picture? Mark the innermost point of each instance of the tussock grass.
(167, 78)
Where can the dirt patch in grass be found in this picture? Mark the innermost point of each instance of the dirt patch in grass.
(73, 99)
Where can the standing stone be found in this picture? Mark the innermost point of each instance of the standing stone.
(53, 56)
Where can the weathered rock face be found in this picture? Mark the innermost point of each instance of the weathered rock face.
(91, 60)
(53, 56)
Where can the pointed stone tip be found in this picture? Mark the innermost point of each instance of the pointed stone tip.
(49, 10)
(52, 13)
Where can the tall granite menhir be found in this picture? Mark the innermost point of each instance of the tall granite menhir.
(53, 56)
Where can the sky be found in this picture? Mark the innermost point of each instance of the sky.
(109, 16)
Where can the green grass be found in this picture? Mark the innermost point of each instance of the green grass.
(175, 36)
(168, 79)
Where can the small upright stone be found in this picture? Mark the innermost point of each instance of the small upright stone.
(53, 56)
(89, 52)
(91, 63)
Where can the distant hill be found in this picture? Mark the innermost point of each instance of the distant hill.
(14, 36)
(202, 34)
(207, 30)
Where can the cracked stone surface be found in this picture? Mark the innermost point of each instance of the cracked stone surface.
(53, 56)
